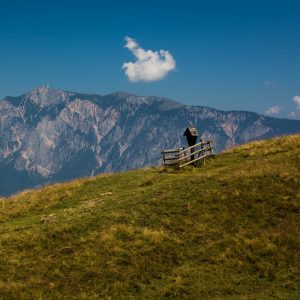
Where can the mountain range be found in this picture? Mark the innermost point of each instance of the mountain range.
(49, 135)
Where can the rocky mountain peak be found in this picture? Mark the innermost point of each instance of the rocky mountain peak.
(50, 135)
(44, 96)
(133, 99)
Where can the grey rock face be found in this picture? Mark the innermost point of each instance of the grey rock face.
(48, 135)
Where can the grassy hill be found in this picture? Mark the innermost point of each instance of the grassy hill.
(227, 230)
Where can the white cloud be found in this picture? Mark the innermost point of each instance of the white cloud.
(295, 114)
(273, 110)
(296, 99)
(149, 65)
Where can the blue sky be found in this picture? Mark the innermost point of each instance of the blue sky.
(230, 55)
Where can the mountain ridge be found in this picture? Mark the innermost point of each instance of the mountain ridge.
(45, 131)
(122, 95)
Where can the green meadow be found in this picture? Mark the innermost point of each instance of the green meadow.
(227, 229)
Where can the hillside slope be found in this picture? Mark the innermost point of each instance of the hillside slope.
(226, 230)
(49, 136)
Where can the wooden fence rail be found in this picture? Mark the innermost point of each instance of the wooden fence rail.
(185, 156)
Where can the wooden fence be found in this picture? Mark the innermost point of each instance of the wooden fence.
(186, 156)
